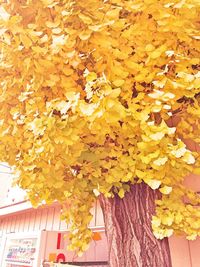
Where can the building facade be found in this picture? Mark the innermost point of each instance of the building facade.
(18, 218)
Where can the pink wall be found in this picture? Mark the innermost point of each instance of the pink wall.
(47, 218)
(184, 253)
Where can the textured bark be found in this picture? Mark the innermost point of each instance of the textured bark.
(128, 228)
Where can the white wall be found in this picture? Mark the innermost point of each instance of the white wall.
(8, 194)
(5, 182)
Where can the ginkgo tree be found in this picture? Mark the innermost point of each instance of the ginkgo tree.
(88, 90)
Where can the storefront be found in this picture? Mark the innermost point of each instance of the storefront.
(44, 247)
(31, 237)
(35, 237)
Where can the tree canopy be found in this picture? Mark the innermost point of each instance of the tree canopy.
(87, 91)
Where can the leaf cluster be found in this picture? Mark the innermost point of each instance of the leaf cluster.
(89, 92)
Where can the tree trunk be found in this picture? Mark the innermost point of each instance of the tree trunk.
(131, 242)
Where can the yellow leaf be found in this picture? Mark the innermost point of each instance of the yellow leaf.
(171, 130)
(85, 19)
(168, 232)
(84, 35)
(96, 192)
(58, 40)
(154, 184)
(4, 15)
(167, 220)
(149, 48)
(91, 76)
(68, 71)
(56, 30)
(26, 41)
(192, 237)
(156, 221)
(118, 82)
(179, 152)
(189, 158)
(113, 14)
(157, 136)
(167, 96)
(156, 94)
(178, 218)
(160, 161)
(121, 193)
(155, 54)
(166, 190)
(51, 24)
(80, 253)
(140, 174)
(88, 109)
(127, 177)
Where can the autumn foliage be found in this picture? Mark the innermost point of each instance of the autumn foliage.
(87, 93)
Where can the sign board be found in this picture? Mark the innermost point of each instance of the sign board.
(56, 248)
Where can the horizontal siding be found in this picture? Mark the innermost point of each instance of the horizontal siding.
(47, 218)
(184, 253)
